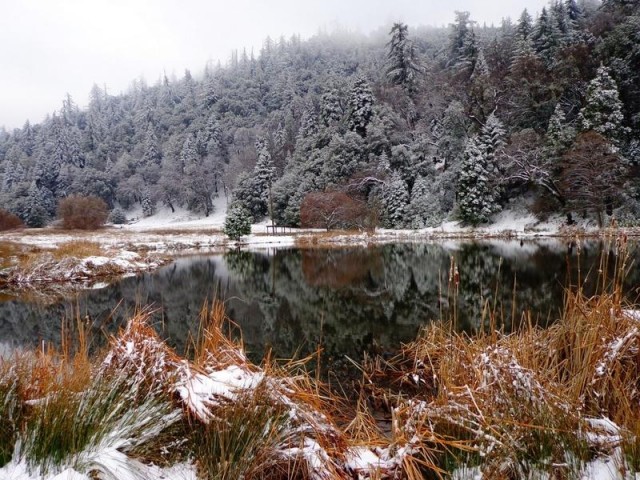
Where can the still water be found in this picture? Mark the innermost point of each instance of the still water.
(349, 300)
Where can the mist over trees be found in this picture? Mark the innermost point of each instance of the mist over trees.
(413, 125)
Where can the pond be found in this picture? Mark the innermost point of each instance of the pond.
(349, 300)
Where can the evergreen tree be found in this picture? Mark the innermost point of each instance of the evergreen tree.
(424, 209)
(35, 213)
(308, 123)
(477, 197)
(360, 106)
(151, 151)
(602, 111)
(458, 38)
(560, 136)
(331, 110)
(237, 222)
(148, 208)
(396, 198)
(545, 36)
(402, 60)
(492, 139)
(525, 26)
(264, 172)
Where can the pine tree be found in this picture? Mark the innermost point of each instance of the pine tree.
(492, 139)
(151, 151)
(264, 171)
(560, 136)
(331, 110)
(424, 212)
(460, 31)
(237, 222)
(402, 60)
(602, 112)
(396, 198)
(147, 205)
(545, 36)
(308, 123)
(477, 197)
(360, 105)
(35, 214)
(525, 26)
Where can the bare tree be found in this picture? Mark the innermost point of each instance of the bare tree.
(332, 210)
(592, 176)
(526, 162)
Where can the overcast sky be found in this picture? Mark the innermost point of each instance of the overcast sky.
(51, 47)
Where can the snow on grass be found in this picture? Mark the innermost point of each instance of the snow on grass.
(115, 466)
(46, 269)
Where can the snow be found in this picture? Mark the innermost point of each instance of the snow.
(113, 462)
(181, 218)
(199, 391)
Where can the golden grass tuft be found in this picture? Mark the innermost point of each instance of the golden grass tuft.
(77, 249)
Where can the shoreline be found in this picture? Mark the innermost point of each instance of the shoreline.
(120, 252)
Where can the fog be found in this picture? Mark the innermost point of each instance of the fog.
(50, 48)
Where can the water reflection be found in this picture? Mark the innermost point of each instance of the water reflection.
(349, 300)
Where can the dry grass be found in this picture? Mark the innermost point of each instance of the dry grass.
(526, 400)
(511, 403)
(77, 249)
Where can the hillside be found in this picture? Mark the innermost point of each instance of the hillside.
(403, 128)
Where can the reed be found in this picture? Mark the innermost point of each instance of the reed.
(537, 399)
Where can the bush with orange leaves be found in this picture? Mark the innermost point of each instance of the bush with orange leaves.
(84, 213)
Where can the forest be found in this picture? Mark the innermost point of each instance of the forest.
(405, 127)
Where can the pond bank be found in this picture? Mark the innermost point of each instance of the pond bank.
(55, 260)
(492, 406)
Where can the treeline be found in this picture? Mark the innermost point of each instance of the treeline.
(401, 128)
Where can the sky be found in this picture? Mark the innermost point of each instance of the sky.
(54, 47)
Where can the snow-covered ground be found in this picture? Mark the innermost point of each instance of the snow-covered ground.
(185, 232)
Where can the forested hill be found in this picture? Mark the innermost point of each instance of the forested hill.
(402, 128)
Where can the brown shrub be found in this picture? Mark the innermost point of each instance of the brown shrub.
(9, 221)
(85, 213)
(332, 210)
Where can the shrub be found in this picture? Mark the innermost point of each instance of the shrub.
(332, 210)
(118, 217)
(9, 221)
(85, 213)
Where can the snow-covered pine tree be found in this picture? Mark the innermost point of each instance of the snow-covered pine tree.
(421, 205)
(264, 171)
(330, 108)
(525, 26)
(147, 204)
(308, 123)
(35, 212)
(545, 36)
(477, 197)
(237, 222)
(560, 136)
(402, 60)
(151, 153)
(360, 106)
(396, 199)
(492, 139)
(602, 111)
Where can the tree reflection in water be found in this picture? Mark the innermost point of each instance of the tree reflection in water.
(349, 300)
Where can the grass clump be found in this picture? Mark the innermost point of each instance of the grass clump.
(239, 442)
(77, 249)
(10, 413)
(537, 400)
(74, 429)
